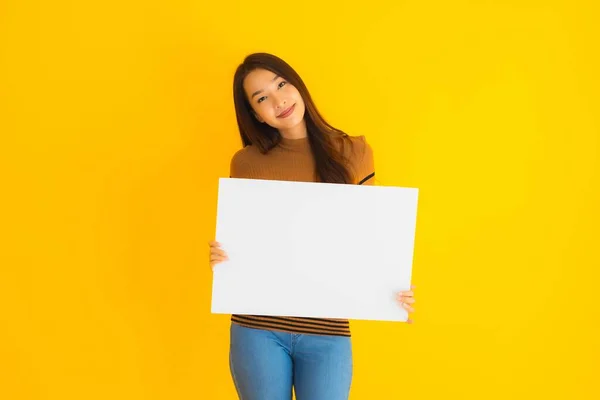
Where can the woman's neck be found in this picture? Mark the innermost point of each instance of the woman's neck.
(297, 132)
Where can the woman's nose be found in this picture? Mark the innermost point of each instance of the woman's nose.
(280, 102)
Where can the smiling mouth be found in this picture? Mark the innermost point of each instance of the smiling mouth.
(287, 112)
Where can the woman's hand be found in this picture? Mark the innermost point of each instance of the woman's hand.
(406, 299)
(217, 254)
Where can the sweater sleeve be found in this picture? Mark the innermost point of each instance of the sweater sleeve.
(365, 167)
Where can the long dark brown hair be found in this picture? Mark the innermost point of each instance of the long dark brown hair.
(331, 164)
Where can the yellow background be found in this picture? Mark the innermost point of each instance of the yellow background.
(117, 120)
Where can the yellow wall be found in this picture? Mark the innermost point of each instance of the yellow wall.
(117, 120)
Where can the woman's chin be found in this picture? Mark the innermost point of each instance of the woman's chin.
(292, 121)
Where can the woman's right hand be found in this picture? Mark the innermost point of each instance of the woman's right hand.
(217, 254)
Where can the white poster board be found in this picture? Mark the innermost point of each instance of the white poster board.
(313, 249)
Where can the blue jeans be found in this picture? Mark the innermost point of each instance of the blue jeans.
(265, 365)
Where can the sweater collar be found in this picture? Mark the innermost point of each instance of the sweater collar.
(295, 144)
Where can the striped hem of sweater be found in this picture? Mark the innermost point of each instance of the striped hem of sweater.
(304, 325)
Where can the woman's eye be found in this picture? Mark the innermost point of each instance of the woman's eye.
(282, 84)
(261, 99)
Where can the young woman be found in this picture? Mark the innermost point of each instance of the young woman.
(285, 138)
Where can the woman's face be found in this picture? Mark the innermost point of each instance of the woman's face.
(274, 100)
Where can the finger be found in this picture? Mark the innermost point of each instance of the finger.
(407, 293)
(408, 300)
(407, 307)
(215, 257)
(409, 321)
(214, 243)
(219, 252)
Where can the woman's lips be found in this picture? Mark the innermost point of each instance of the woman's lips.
(287, 112)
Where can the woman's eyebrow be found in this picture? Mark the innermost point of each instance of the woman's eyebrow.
(261, 90)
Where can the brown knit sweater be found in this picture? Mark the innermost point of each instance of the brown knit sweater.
(292, 160)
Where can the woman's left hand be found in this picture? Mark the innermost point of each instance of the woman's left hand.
(406, 299)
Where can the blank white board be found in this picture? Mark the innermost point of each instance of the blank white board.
(309, 249)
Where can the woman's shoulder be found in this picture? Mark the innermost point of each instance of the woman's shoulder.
(242, 159)
(359, 155)
(360, 144)
(244, 152)
(353, 147)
